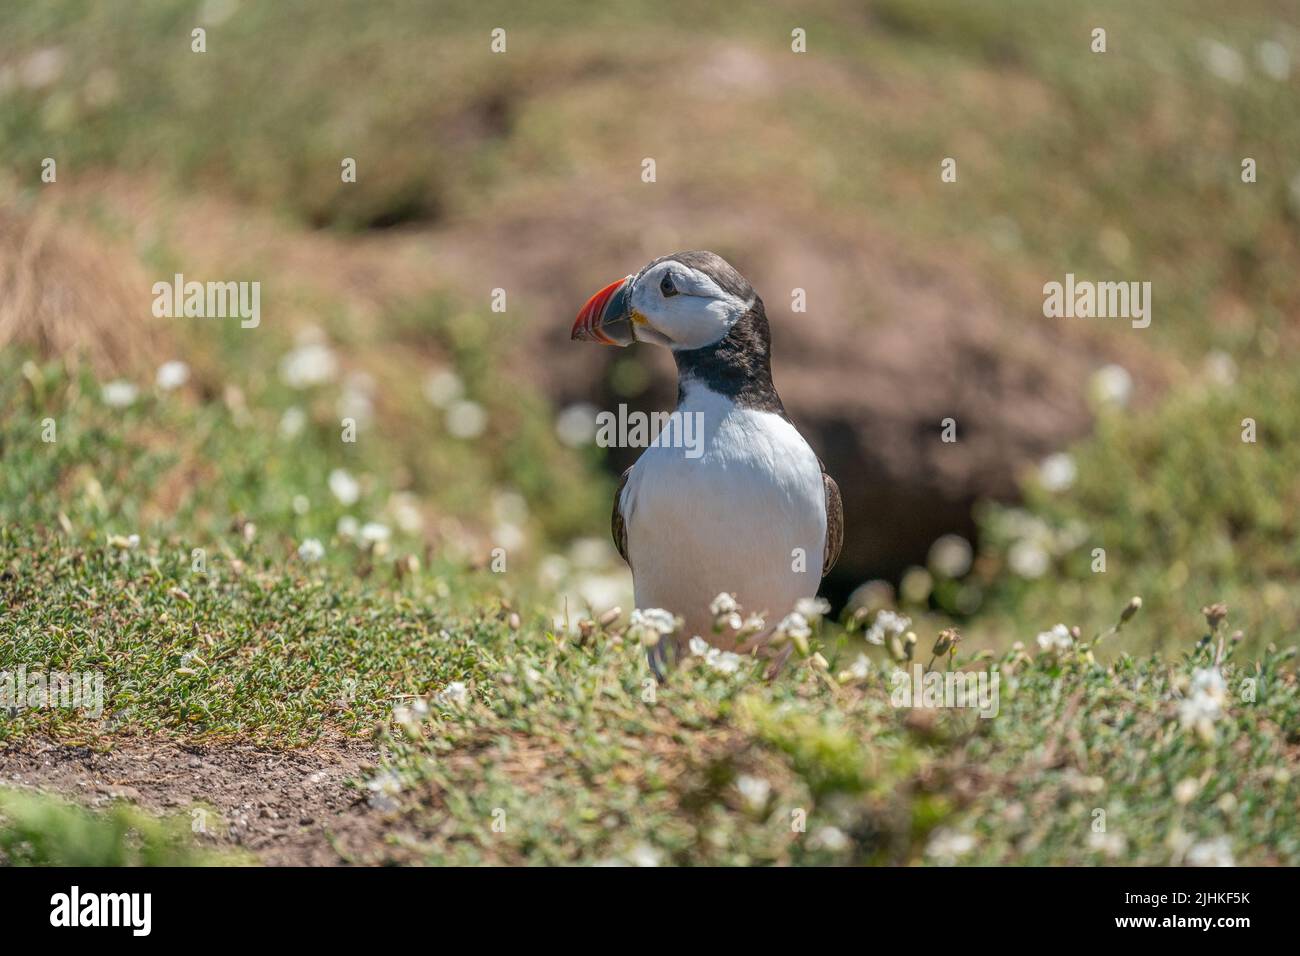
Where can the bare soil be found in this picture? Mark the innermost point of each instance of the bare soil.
(304, 807)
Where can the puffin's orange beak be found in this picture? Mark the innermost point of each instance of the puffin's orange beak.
(607, 316)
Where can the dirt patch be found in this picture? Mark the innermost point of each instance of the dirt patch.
(287, 807)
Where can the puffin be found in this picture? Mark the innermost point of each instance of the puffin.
(746, 508)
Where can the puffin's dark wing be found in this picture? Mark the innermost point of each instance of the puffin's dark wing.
(619, 529)
(834, 523)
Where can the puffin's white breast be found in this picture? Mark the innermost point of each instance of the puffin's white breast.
(748, 516)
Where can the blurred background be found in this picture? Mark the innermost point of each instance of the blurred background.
(522, 171)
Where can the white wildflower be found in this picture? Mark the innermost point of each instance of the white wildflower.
(947, 846)
(794, 625)
(551, 570)
(509, 505)
(466, 419)
(603, 591)
(590, 553)
(373, 532)
(348, 527)
(812, 608)
(1057, 640)
(1274, 60)
(829, 838)
(732, 622)
(292, 422)
(753, 790)
(172, 375)
(650, 625)
(1185, 790)
(384, 787)
(724, 603)
(1112, 385)
(886, 625)
(644, 855)
(860, 669)
(344, 487)
(42, 68)
(405, 509)
(311, 550)
(1209, 681)
(1057, 472)
(510, 536)
(724, 662)
(1223, 61)
(950, 556)
(1111, 845)
(655, 619)
(308, 365)
(1204, 704)
(443, 387)
(1216, 852)
(1028, 559)
(575, 426)
(119, 394)
(455, 694)
(1220, 368)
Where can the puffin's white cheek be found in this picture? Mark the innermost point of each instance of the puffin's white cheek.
(699, 322)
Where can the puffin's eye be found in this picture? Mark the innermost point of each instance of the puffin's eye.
(666, 286)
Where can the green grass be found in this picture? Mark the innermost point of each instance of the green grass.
(566, 749)
(563, 759)
(567, 741)
(1184, 509)
(257, 647)
(37, 830)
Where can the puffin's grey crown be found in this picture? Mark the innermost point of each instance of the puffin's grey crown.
(712, 265)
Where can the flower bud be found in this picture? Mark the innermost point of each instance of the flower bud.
(947, 640)
(1214, 614)
(1134, 605)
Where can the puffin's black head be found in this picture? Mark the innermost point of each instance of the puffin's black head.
(684, 301)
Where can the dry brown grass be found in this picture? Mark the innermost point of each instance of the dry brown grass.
(72, 295)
